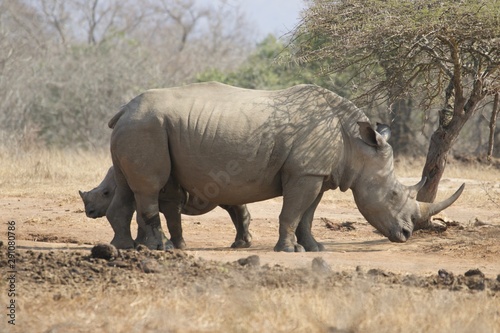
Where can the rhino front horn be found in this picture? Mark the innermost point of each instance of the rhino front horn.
(429, 209)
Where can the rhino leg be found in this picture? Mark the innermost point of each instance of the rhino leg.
(141, 236)
(241, 220)
(141, 239)
(298, 196)
(303, 232)
(119, 214)
(145, 164)
(148, 218)
(172, 212)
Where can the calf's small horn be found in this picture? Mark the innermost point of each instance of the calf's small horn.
(429, 209)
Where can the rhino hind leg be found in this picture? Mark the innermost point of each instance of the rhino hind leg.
(141, 239)
(241, 220)
(303, 232)
(299, 194)
(148, 218)
(145, 165)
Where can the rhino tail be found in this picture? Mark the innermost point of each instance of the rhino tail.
(113, 121)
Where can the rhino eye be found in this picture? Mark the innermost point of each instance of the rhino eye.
(105, 193)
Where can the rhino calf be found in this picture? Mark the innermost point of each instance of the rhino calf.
(173, 201)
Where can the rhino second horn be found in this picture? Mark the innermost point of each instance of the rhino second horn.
(415, 188)
(429, 209)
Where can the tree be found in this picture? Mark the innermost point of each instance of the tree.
(444, 54)
(263, 70)
(67, 66)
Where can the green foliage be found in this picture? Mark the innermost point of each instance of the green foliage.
(395, 46)
(265, 69)
(408, 55)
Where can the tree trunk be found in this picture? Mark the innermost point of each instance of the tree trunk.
(435, 163)
(451, 122)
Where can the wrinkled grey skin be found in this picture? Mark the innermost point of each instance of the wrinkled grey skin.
(172, 202)
(233, 146)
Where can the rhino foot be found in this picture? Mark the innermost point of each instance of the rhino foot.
(289, 248)
(123, 243)
(241, 244)
(313, 247)
(178, 243)
(155, 239)
(169, 245)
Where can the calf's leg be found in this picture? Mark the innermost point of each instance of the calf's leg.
(119, 214)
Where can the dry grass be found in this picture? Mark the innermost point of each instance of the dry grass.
(41, 172)
(412, 167)
(355, 307)
(50, 171)
(20, 168)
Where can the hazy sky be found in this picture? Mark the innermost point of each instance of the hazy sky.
(272, 16)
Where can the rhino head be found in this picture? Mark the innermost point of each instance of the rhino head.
(386, 204)
(97, 200)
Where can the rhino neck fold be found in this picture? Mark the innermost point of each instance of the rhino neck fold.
(346, 172)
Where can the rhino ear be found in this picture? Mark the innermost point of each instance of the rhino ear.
(81, 193)
(369, 135)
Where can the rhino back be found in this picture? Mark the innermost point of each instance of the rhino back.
(242, 140)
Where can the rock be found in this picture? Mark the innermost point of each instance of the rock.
(252, 261)
(104, 251)
(474, 272)
(479, 223)
(150, 266)
(119, 263)
(319, 265)
(446, 277)
(474, 279)
(142, 248)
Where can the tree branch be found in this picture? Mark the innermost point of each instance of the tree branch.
(493, 125)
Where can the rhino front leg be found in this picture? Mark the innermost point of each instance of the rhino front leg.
(303, 232)
(298, 196)
(172, 212)
(241, 220)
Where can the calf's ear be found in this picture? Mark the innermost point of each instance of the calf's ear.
(369, 135)
(81, 193)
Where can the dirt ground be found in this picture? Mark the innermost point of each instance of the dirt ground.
(471, 239)
(54, 238)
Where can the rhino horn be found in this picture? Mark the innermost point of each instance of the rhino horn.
(415, 188)
(429, 209)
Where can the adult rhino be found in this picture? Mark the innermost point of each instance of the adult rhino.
(173, 201)
(233, 146)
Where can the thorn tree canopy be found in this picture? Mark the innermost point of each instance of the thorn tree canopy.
(445, 53)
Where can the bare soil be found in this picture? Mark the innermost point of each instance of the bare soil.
(54, 259)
